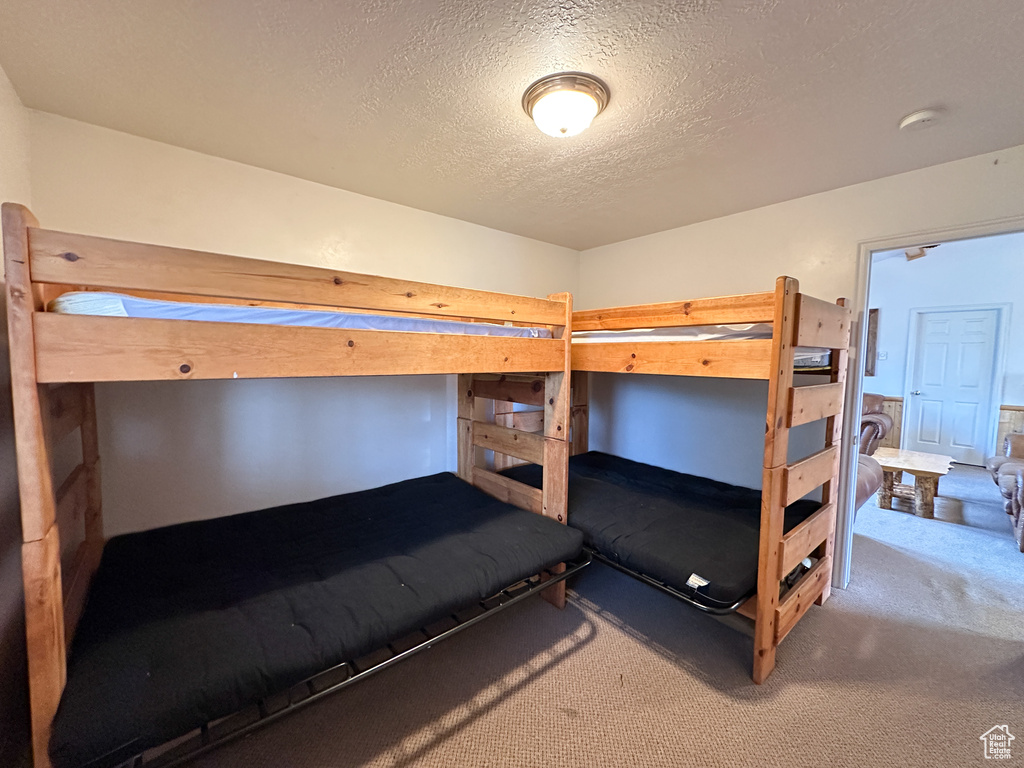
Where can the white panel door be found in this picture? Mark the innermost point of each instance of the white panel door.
(950, 400)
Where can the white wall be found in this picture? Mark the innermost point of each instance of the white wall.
(176, 451)
(814, 239)
(988, 270)
(14, 187)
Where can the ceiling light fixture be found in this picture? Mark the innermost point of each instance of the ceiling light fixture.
(565, 104)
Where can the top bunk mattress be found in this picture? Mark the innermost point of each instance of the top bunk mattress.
(669, 526)
(122, 305)
(192, 622)
(804, 357)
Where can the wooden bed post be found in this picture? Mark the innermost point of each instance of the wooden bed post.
(44, 605)
(773, 492)
(54, 521)
(465, 426)
(516, 437)
(91, 462)
(579, 430)
(833, 436)
(556, 442)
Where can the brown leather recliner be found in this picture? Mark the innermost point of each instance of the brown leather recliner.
(1004, 468)
(869, 479)
(1017, 509)
(875, 424)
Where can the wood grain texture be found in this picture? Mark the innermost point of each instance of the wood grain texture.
(511, 442)
(749, 608)
(464, 439)
(465, 396)
(810, 473)
(525, 392)
(91, 460)
(1011, 420)
(722, 310)
(60, 257)
(916, 462)
(580, 389)
(795, 603)
(770, 541)
(72, 505)
(82, 348)
(555, 594)
(807, 404)
(894, 407)
(822, 324)
(528, 421)
(556, 405)
(579, 413)
(556, 479)
(555, 499)
(840, 364)
(557, 402)
(65, 409)
(773, 483)
(508, 490)
(805, 538)
(839, 368)
(780, 373)
(45, 640)
(723, 359)
(925, 489)
(503, 411)
(38, 508)
(523, 421)
(558, 384)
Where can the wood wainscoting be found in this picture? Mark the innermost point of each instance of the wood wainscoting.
(1011, 419)
(894, 407)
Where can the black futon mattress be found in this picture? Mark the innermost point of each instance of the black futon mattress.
(192, 622)
(667, 525)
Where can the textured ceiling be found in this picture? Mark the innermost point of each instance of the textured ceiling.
(716, 106)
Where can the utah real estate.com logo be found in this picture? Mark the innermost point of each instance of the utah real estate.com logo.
(997, 742)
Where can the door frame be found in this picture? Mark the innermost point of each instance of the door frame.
(998, 371)
(855, 378)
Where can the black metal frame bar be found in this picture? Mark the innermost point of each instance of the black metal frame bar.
(650, 580)
(314, 688)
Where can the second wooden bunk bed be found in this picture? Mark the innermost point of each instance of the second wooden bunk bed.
(627, 510)
(56, 358)
(796, 321)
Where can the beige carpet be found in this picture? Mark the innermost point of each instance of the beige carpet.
(908, 667)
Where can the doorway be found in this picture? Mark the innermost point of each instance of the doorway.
(952, 382)
(889, 349)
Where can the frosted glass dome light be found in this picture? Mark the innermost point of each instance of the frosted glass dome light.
(564, 105)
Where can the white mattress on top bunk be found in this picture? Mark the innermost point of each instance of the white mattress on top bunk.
(122, 305)
(805, 357)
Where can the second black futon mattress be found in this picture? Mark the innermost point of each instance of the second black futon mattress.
(667, 525)
(193, 622)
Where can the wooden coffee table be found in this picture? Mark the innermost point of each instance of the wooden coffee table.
(926, 468)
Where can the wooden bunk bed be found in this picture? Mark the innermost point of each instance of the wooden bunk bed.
(56, 358)
(790, 531)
